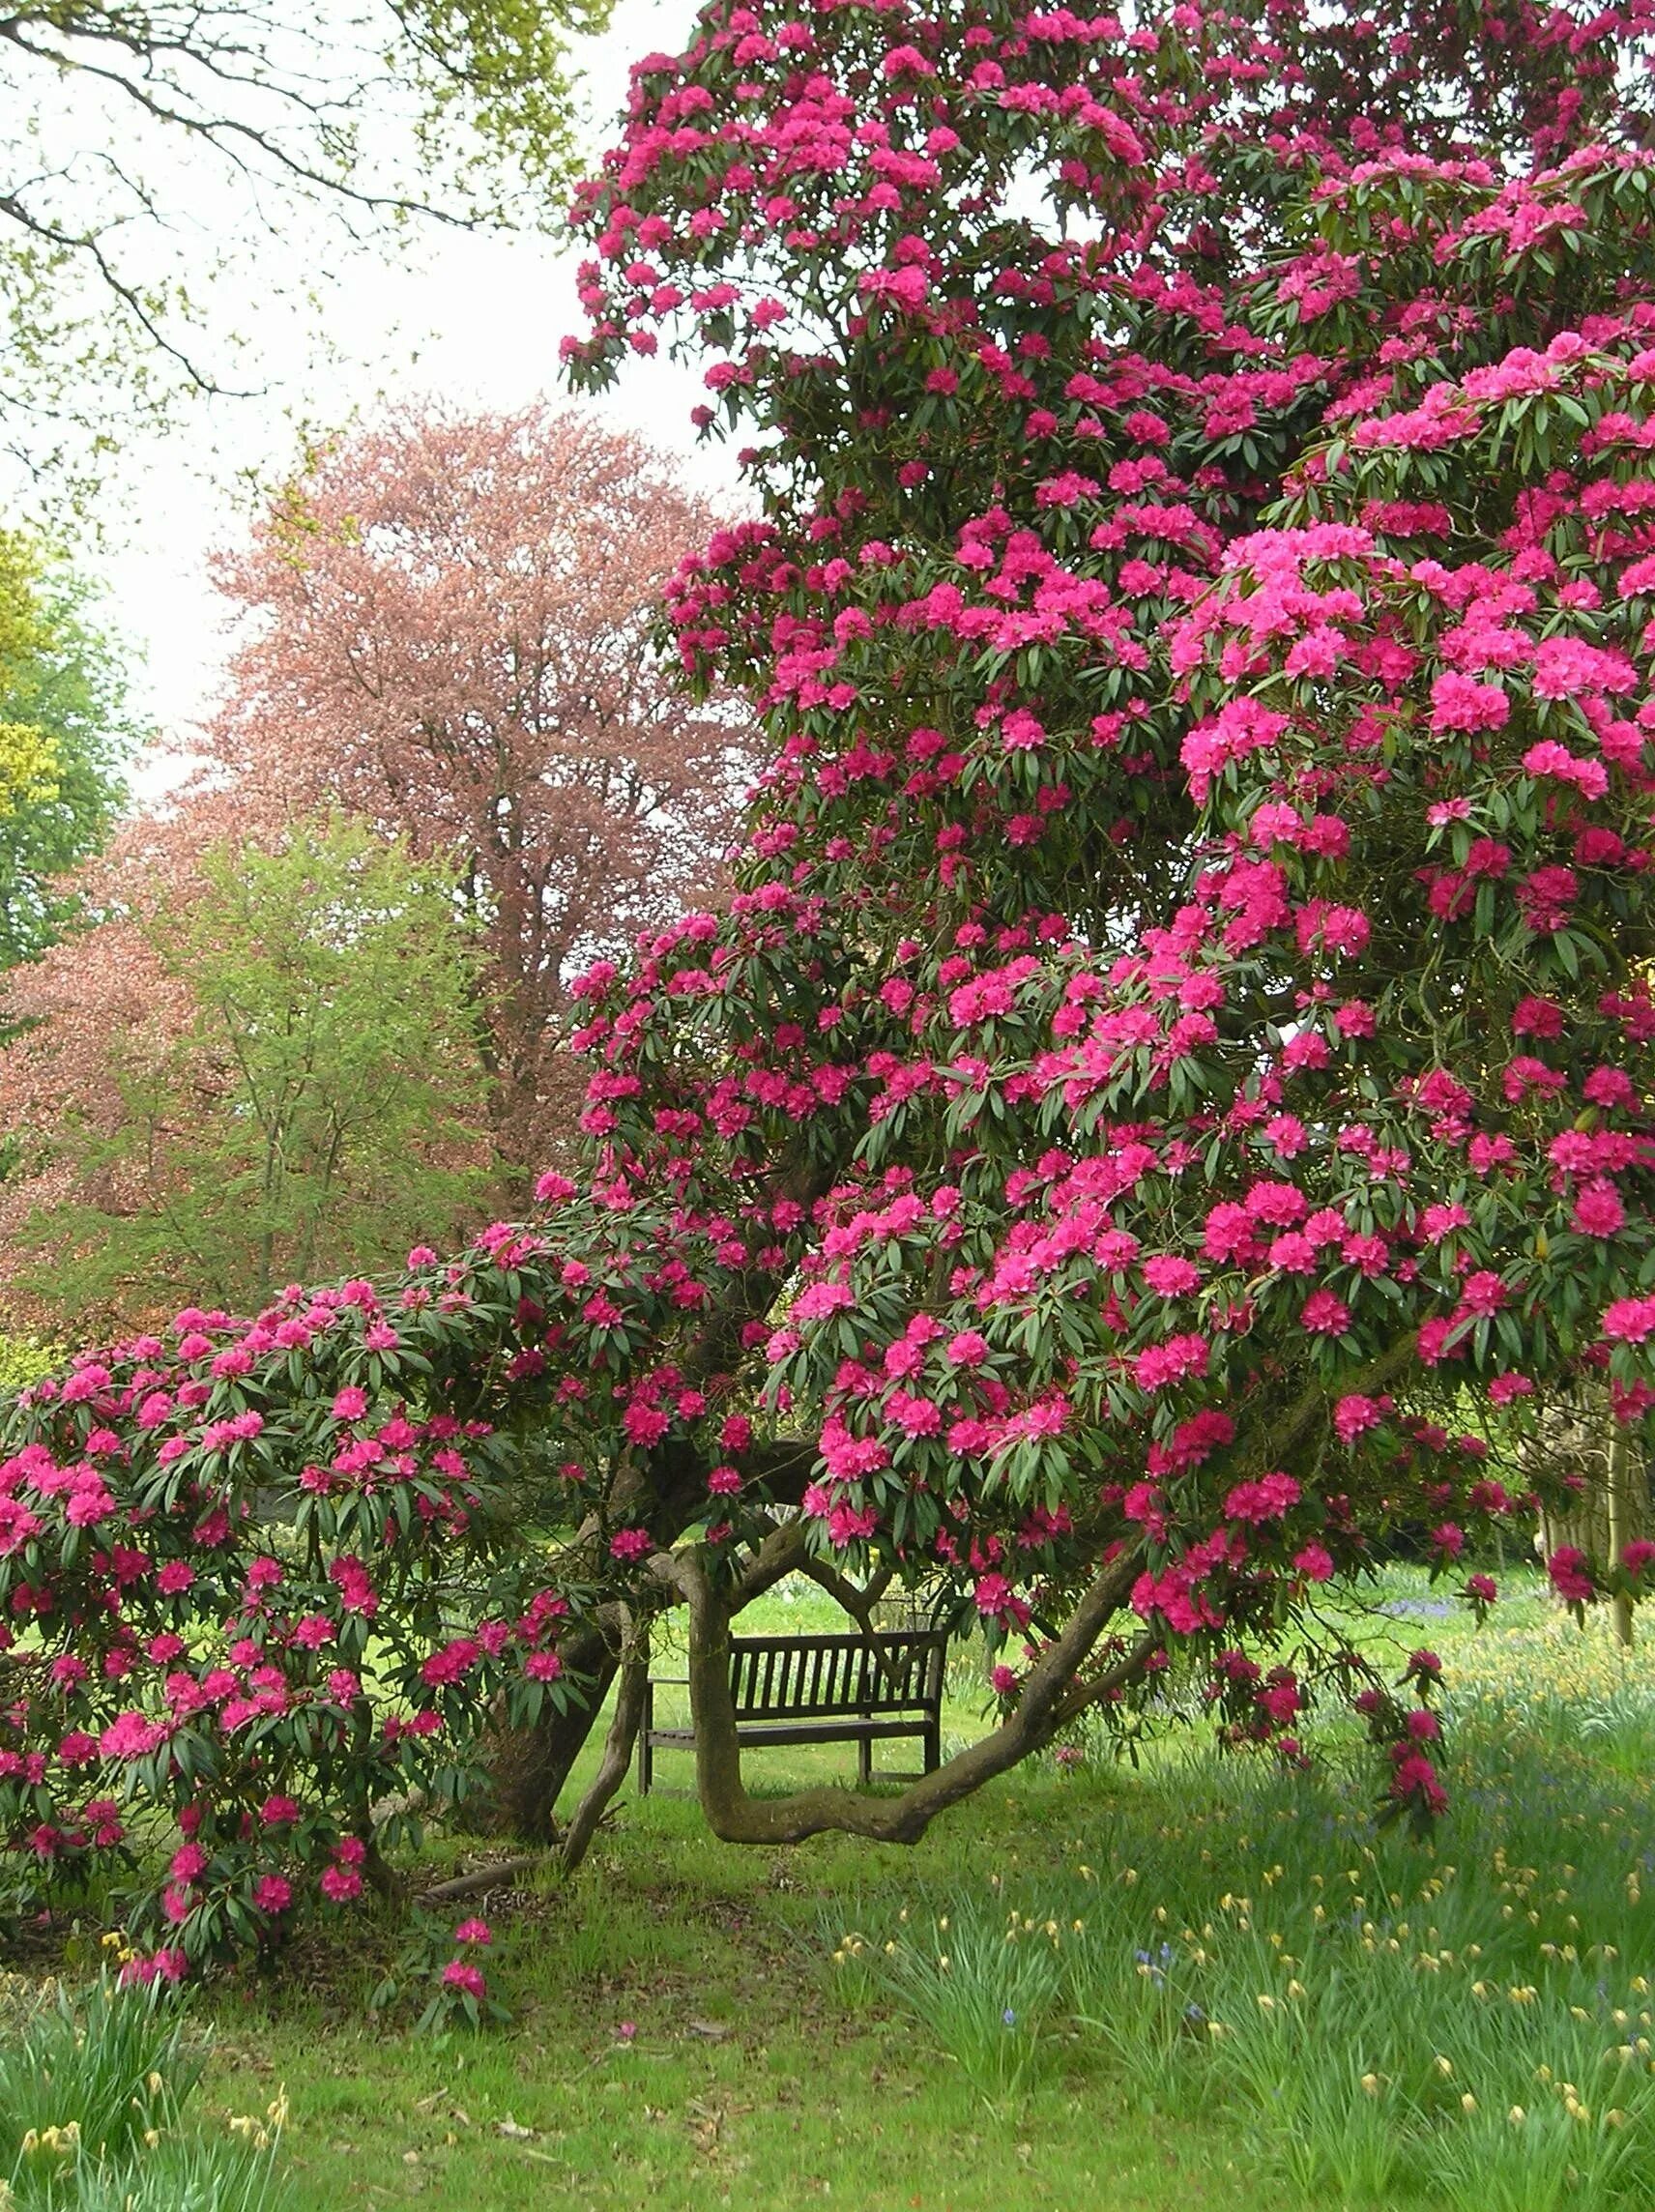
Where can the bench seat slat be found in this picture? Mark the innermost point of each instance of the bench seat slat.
(781, 1675)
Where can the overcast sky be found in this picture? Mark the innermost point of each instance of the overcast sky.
(468, 318)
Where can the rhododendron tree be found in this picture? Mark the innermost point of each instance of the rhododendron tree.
(1175, 1072)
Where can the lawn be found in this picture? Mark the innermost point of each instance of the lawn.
(1099, 1986)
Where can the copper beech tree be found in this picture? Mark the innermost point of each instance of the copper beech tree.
(1177, 1064)
(449, 634)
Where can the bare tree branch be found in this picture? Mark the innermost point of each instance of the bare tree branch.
(616, 1757)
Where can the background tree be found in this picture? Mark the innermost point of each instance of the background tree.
(295, 1071)
(451, 635)
(122, 120)
(27, 759)
(62, 685)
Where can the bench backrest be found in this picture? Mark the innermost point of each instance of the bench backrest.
(774, 1676)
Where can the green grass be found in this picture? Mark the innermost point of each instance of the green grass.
(749, 2082)
(784, 2058)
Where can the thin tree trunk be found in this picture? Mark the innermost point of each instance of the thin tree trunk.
(617, 1757)
(1619, 1502)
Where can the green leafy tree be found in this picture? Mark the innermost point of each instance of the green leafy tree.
(65, 727)
(27, 761)
(307, 1081)
(24, 1357)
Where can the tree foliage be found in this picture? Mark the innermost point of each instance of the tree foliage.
(450, 633)
(126, 117)
(1177, 1060)
(307, 1080)
(63, 702)
(27, 757)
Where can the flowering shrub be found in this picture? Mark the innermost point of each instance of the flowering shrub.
(245, 1594)
(1181, 1036)
(440, 1971)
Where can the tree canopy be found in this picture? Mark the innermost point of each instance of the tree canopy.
(63, 700)
(1175, 1067)
(450, 632)
(293, 1066)
(27, 756)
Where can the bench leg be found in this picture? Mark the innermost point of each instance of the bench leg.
(933, 1744)
(864, 1762)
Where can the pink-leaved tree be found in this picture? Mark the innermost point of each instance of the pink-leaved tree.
(449, 632)
(1175, 1073)
(445, 628)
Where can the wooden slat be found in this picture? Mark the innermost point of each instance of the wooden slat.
(822, 1675)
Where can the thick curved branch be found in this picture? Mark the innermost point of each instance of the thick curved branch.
(782, 1553)
(1312, 1410)
(858, 1603)
(1097, 1689)
(786, 1469)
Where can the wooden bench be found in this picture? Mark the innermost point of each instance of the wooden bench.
(822, 1689)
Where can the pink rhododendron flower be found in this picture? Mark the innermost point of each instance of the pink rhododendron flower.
(1598, 1210)
(1571, 1575)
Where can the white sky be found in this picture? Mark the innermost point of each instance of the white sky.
(470, 318)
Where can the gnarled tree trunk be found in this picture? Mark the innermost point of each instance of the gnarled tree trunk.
(528, 1767)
